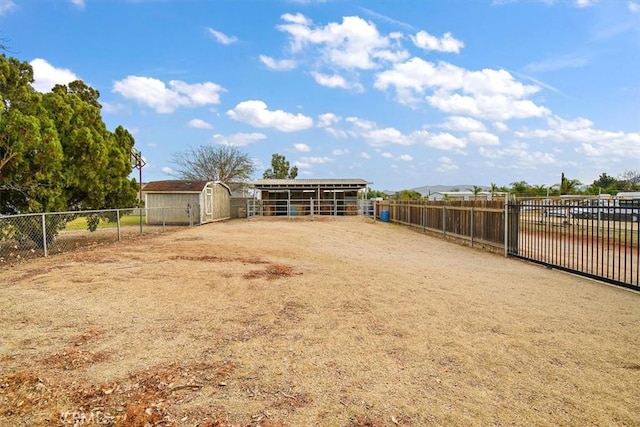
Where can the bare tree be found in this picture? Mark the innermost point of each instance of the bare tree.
(631, 176)
(213, 163)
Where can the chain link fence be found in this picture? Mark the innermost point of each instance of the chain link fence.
(36, 235)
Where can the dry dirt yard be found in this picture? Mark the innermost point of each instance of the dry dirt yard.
(332, 322)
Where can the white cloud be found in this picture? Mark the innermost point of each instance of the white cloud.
(488, 93)
(334, 81)
(441, 141)
(361, 124)
(462, 124)
(298, 18)
(519, 156)
(585, 3)
(308, 162)
(46, 76)
(155, 94)
(483, 138)
(78, 3)
(589, 141)
(387, 155)
(303, 148)
(496, 107)
(167, 170)
(222, 37)
(114, 108)
(278, 64)
(316, 160)
(327, 119)
(447, 43)
(405, 158)
(379, 137)
(239, 139)
(446, 165)
(340, 152)
(500, 127)
(365, 155)
(577, 3)
(633, 7)
(199, 124)
(353, 44)
(255, 113)
(6, 6)
(375, 137)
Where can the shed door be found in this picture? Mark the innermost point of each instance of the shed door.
(208, 204)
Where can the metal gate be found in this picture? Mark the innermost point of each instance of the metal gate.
(587, 237)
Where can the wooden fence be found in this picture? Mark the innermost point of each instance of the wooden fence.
(479, 221)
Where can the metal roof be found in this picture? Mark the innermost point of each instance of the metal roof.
(177, 186)
(265, 184)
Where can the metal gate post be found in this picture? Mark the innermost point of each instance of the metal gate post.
(506, 225)
(118, 224)
(44, 235)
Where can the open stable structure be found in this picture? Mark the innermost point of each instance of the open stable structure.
(294, 197)
(186, 202)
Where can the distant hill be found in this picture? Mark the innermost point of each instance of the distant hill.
(428, 189)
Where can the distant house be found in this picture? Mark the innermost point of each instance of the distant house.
(463, 195)
(186, 202)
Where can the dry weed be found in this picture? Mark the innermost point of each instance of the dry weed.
(272, 272)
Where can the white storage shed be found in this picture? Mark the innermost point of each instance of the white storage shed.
(186, 202)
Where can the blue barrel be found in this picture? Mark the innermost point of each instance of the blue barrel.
(384, 216)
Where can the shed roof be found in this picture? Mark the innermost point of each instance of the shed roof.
(266, 184)
(179, 186)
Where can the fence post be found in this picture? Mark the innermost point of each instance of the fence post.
(118, 224)
(473, 218)
(444, 220)
(506, 225)
(44, 235)
(424, 218)
(409, 213)
(311, 206)
(140, 213)
(164, 220)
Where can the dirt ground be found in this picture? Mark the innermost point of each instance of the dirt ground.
(332, 322)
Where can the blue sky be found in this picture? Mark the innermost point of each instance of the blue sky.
(401, 93)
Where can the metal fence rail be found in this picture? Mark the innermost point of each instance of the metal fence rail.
(304, 207)
(33, 235)
(601, 242)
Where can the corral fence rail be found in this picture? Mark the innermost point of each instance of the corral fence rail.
(32, 235)
(305, 207)
(587, 236)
